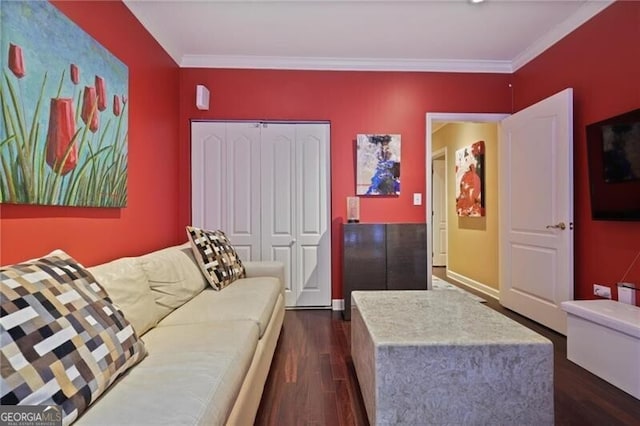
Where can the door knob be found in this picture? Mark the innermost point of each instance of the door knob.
(560, 225)
(293, 241)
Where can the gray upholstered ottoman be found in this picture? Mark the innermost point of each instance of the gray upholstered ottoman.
(439, 357)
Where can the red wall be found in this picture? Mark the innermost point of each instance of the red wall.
(601, 61)
(354, 102)
(95, 235)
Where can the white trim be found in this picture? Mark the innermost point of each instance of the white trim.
(337, 305)
(482, 288)
(442, 152)
(587, 11)
(343, 64)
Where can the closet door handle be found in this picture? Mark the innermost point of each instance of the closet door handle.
(293, 241)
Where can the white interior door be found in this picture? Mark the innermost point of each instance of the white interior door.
(536, 210)
(243, 194)
(295, 209)
(313, 248)
(208, 171)
(266, 185)
(279, 200)
(439, 211)
(225, 184)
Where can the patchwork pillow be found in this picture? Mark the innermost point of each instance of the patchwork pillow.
(216, 257)
(63, 341)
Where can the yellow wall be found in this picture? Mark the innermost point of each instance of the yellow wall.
(472, 241)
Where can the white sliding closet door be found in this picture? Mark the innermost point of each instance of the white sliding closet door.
(225, 170)
(313, 212)
(266, 185)
(295, 215)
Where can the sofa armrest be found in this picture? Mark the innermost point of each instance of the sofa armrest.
(265, 269)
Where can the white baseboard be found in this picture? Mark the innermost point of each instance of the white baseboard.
(337, 304)
(482, 288)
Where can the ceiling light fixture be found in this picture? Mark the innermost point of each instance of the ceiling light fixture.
(475, 1)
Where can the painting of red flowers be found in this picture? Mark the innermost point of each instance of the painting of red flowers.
(62, 152)
(470, 180)
(116, 105)
(90, 114)
(101, 92)
(16, 60)
(60, 144)
(74, 72)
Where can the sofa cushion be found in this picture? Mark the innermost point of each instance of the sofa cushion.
(247, 299)
(174, 277)
(63, 341)
(192, 376)
(216, 257)
(266, 268)
(127, 286)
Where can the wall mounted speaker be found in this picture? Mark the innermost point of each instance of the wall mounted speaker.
(202, 97)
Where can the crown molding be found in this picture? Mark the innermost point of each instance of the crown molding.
(343, 64)
(587, 11)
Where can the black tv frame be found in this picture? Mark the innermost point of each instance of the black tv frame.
(611, 199)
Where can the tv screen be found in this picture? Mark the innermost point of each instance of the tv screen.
(613, 148)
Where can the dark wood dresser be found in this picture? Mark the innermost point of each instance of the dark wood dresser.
(383, 256)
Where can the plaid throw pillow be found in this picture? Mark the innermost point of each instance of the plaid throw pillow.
(63, 341)
(218, 260)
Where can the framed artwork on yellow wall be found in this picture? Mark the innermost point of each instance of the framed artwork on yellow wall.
(470, 184)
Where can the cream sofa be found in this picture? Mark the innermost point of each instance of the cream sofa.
(209, 352)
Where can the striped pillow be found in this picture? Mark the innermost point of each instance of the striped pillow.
(216, 257)
(63, 341)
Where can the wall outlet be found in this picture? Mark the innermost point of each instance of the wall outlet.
(602, 291)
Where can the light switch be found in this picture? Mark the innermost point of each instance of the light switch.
(417, 199)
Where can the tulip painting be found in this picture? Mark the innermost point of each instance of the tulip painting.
(90, 115)
(16, 60)
(101, 91)
(59, 143)
(116, 105)
(74, 73)
(62, 152)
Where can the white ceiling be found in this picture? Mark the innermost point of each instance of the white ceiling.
(435, 35)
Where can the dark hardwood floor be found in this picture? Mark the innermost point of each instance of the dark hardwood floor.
(312, 380)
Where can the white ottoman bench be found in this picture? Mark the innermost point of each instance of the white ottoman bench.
(439, 357)
(603, 337)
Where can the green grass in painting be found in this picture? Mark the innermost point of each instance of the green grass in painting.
(100, 176)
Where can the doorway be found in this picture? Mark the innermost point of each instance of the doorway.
(439, 203)
(535, 206)
(453, 246)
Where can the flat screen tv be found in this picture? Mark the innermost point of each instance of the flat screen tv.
(613, 149)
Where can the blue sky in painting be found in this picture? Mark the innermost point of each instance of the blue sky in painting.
(50, 43)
